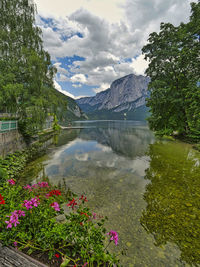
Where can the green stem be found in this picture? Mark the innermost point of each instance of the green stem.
(107, 245)
(29, 245)
(66, 256)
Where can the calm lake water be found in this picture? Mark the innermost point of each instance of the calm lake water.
(148, 188)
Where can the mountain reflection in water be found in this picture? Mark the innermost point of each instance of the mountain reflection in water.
(109, 162)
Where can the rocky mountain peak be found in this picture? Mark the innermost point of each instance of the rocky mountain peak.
(125, 94)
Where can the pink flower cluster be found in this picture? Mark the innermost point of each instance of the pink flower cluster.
(113, 236)
(11, 181)
(38, 185)
(14, 218)
(43, 184)
(94, 215)
(29, 204)
(56, 206)
(28, 187)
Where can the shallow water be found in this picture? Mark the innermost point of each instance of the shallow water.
(149, 189)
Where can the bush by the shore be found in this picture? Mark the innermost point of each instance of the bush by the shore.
(28, 222)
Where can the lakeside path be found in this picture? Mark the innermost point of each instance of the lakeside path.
(74, 127)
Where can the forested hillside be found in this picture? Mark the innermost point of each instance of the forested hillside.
(174, 69)
(26, 72)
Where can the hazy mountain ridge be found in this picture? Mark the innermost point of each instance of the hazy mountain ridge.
(73, 111)
(125, 95)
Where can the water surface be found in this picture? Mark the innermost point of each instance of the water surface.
(149, 189)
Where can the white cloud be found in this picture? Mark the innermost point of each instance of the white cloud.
(112, 32)
(104, 148)
(82, 157)
(81, 96)
(103, 87)
(76, 85)
(110, 10)
(139, 65)
(79, 78)
(62, 78)
(59, 88)
(60, 69)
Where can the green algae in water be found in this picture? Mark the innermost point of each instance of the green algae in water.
(173, 198)
(33, 170)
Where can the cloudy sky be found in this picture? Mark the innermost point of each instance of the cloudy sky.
(94, 42)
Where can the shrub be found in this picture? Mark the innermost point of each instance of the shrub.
(28, 221)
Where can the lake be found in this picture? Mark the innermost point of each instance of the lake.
(148, 188)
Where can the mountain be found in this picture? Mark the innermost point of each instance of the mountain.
(124, 99)
(74, 112)
(68, 109)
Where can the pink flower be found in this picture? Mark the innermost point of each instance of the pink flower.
(85, 264)
(11, 181)
(9, 224)
(55, 205)
(43, 184)
(14, 218)
(39, 184)
(94, 215)
(20, 213)
(28, 187)
(114, 236)
(35, 201)
(15, 244)
(29, 204)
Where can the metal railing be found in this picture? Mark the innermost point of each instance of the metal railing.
(6, 126)
(8, 115)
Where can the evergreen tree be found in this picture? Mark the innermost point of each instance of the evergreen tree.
(174, 56)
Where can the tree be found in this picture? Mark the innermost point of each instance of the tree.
(26, 72)
(173, 54)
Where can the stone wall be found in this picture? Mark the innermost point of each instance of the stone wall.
(10, 142)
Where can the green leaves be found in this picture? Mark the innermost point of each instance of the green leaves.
(65, 263)
(174, 66)
(26, 72)
(79, 238)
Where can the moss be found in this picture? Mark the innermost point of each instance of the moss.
(168, 137)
